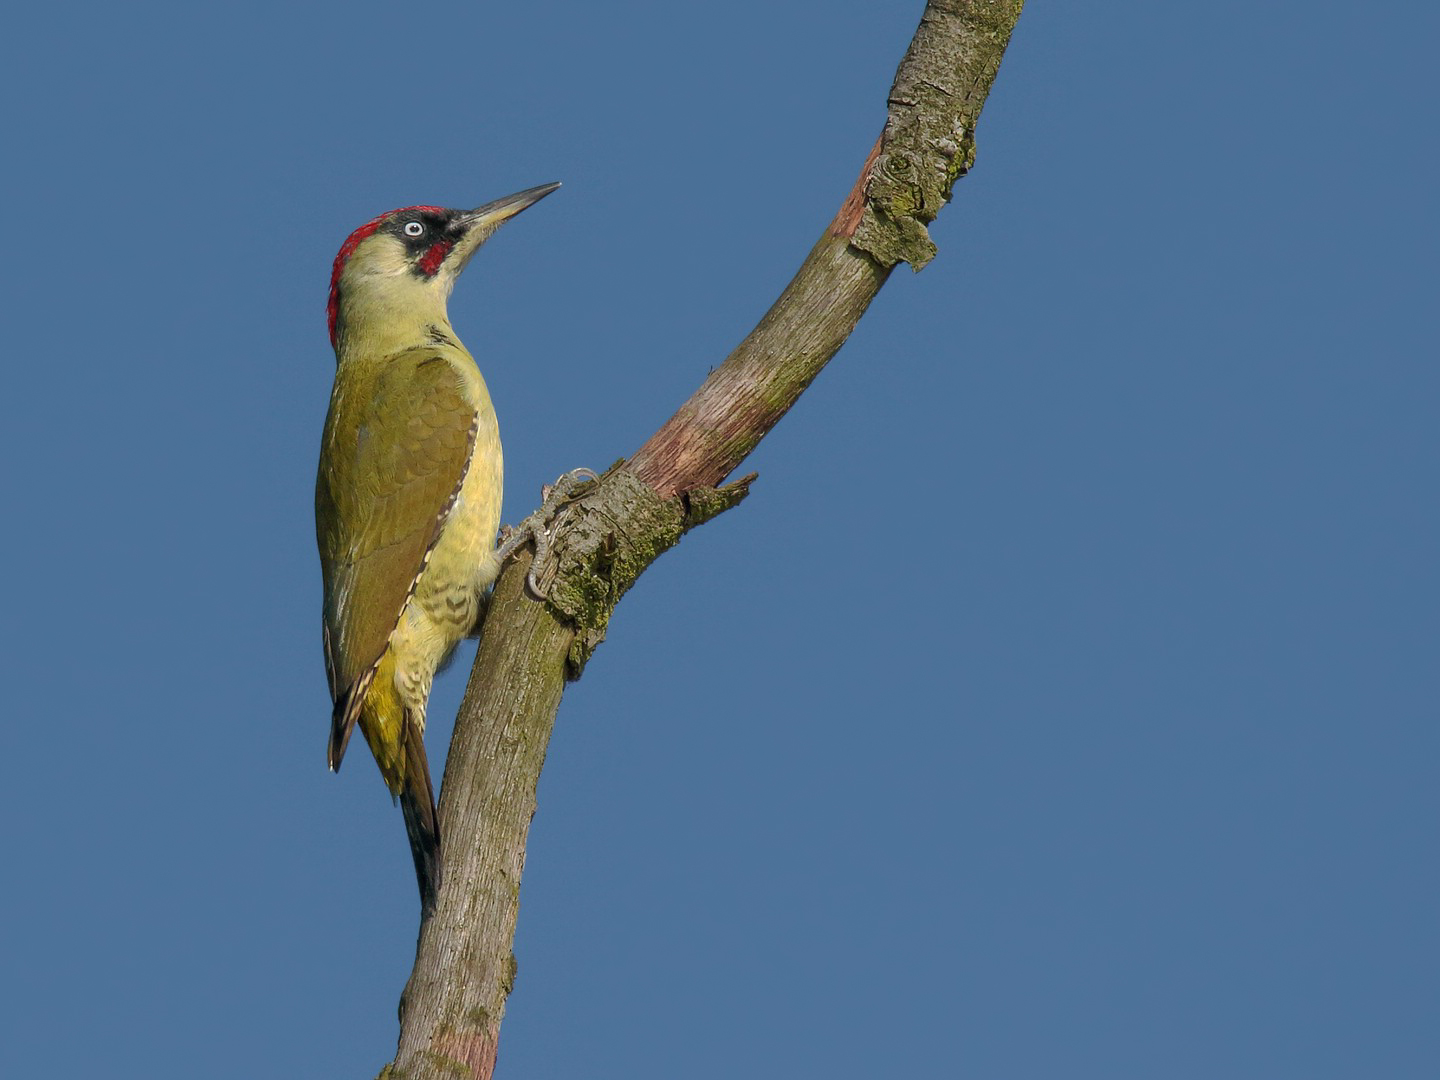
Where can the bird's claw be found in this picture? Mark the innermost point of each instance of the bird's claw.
(540, 526)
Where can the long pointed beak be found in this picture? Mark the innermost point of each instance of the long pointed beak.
(489, 217)
(473, 228)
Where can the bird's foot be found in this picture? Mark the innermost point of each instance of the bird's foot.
(539, 527)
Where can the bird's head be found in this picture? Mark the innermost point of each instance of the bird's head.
(406, 261)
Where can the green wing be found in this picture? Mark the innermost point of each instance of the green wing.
(397, 444)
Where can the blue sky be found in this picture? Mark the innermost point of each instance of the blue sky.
(1061, 703)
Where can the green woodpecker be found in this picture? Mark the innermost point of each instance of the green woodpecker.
(407, 502)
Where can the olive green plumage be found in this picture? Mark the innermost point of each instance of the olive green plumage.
(407, 498)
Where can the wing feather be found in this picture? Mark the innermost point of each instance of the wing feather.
(397, 444)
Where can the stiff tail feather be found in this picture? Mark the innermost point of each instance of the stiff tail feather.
(422, 821)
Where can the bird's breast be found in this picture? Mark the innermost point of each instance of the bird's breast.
(462, 562)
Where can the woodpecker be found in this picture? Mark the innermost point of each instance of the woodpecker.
(407, 500)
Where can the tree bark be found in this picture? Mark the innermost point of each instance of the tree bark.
(451, 1009)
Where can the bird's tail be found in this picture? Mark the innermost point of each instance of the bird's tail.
(422, 820)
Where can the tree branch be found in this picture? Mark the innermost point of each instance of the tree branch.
(451, 1010)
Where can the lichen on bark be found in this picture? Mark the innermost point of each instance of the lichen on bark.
(604, 541)
(929, 139)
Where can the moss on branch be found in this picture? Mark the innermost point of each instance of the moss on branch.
(929, 139)
(604, 541)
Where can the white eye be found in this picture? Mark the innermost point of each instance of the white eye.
(413, 228)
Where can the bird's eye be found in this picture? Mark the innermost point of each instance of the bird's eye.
(413, 228)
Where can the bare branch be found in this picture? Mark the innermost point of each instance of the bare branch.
(464, 969)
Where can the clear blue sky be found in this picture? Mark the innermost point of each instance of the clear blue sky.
(1061, 704)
